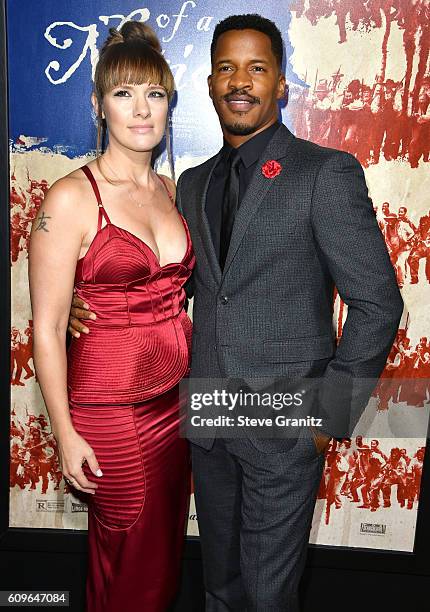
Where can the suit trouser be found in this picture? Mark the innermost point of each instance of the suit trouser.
(255, 511)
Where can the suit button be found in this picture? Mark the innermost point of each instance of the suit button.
(224, 299)
(215, 347)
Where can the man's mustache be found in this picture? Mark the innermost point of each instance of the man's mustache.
(243, 95)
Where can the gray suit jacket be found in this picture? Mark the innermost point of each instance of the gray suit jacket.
(295, 237)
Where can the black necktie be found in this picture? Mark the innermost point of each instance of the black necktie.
(230, 205)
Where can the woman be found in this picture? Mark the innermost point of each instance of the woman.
(111, 232)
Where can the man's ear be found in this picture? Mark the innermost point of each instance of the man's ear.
(210, 86)
(95, 104)
(282, 87)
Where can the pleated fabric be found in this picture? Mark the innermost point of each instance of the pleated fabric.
(139, 345)
(136, 519)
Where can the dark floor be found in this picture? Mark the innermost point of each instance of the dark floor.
(323, 589)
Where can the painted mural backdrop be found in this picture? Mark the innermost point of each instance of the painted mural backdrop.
(359, 81)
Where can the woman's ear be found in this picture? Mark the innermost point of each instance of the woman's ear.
(95, 104)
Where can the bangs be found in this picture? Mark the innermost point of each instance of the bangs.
(132, 64)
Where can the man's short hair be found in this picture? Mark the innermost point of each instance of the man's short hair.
(251, 22)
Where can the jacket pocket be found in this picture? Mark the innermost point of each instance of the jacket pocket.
(291, 350)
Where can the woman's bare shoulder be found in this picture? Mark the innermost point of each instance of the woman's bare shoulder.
(69, 190)
(171, 185)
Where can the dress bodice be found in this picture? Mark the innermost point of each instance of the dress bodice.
(139, 345)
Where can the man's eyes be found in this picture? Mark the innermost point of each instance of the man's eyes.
(252, 68)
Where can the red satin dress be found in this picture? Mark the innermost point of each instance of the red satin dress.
(123, 384)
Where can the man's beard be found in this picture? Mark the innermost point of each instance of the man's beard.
(240, 129)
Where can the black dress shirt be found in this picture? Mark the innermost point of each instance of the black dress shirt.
(250, 153)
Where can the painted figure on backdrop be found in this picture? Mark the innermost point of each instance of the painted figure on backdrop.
(414, 477)
(24, 205)
(420, 250)
(408, 243)
(363, 474)
(111, 232)
(21, 353)
(395, 473)
(33, 456)
(405, 379)
(366, 119)
(406, 231)
(337, 466)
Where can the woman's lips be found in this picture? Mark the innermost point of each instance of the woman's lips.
(140, 129)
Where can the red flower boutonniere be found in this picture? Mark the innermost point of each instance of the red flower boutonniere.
(271, 168)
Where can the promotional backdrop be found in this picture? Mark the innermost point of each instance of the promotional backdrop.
(359, 81)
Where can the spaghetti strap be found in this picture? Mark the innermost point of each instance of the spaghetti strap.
(167, 189)
(102, 211)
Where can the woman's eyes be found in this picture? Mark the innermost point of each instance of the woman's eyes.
(155, 93)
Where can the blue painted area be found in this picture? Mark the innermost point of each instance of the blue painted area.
(61, 113)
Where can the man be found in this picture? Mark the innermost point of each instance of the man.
(22, 351)
(365, 124)
(16, 342)
(359, 475)
(415, 471)
(319, 113)
(263, 290)
(420, 250)
(388, 227)
(338, 469)
(374, 478)
(395, 473)
(406, 231)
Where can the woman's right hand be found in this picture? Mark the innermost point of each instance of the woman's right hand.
(78, 311)
(74, 451)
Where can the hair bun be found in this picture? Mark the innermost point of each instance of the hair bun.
(136, 31)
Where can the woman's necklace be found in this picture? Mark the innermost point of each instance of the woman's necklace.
(138, 203)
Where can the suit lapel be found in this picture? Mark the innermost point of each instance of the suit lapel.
(205, 231)
(278, 148)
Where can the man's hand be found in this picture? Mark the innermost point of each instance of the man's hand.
(321, 440)
(79, 310)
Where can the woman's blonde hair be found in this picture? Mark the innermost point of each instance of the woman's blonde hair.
(131, 55)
